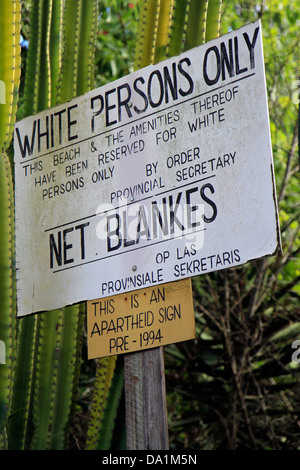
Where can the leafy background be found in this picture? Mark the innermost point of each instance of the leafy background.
(235, 387)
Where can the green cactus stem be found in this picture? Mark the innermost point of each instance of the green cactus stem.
(213, 19)
(19, 424)
(55, 375)
(104, 375)
(196, 23)
(79, 29)
(49, 328)
(55, 47)
(37, 96)
(148, 23)
(7, 315)
(163, 30)
(86, 46)
(68, 355)
(37, 93)
(107, 429)
(177, 28)
(10, 66)
(10, 69)
(51, 369)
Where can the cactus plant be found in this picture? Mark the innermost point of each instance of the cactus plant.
(7, 323)
(10, 76)
(103, 379)
(77, 70)
(10, 66)
(50, 371)
(111, 430)
(173, 26)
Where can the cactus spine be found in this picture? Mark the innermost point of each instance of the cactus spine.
(108, 432)
(104, 375)
(144, 53)
(167, 28)
(79, 27)
(213, 19)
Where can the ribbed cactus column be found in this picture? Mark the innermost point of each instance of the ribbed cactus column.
(10, 61)
(7, 322)
(10, 67)
(59, 67)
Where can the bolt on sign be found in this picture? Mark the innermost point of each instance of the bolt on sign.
(162, 175)
(142, 319)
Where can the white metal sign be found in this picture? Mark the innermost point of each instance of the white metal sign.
(161, 175)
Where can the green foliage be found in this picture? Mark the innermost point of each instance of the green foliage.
(115, 40)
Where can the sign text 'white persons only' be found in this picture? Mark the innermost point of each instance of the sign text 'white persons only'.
(164, 174)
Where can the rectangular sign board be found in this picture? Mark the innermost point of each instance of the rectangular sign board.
(142, 319)
(164, 174)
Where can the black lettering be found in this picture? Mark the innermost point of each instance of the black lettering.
(71, 123)
(124, 102)
(190, 208)
(187, 76)
(142, 94)
(155, 73)
(108, 107)
(212, 81)
(142, 219)
(114, 232)
(59, 113)
(236, 55)
(55, 249)
(173, 217)
(81, 227)
(251, 46)
(170, 83)
(43, 134)
(67, 246)
(225, 60)
(96, 113)
(95, 330)
(127, 242)
(209, 201)
(157, 214)
(26, 147)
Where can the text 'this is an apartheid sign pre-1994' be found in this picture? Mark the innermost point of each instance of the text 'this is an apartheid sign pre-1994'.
(164, 174)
